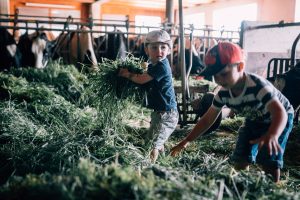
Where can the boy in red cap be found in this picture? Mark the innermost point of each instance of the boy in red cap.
(268, 114)
(161, 96)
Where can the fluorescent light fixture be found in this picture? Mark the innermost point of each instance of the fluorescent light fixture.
(49, 5)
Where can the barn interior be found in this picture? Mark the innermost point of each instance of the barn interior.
(72, 129)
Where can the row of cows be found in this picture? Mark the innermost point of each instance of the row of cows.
(74, 47)
(36, 49)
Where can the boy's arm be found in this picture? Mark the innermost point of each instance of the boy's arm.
(202, 125)
(137, 78)
(278, 123)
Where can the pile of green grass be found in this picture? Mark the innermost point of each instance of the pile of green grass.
(42, 131)
(66, 80)
(54, 146)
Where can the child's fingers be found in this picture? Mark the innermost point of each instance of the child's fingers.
(277, 148)
(270, 148)
(175, 151)
(274, 147)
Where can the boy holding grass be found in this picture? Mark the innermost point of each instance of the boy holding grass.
(161, 96)
(268, 114)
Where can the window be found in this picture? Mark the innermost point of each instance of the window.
(32, 13)
(151, 22)
(114, 23)
(230, 18)
(62, 15)
(198, 20)
(297, 11)
(43, 14)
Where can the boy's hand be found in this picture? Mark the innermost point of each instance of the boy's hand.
(154, 155)
(271, 143)
(123, 72)
(178, 148)
(144, 65)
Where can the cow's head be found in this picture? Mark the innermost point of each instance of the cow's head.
(10, 55)
(41, 50)
(34, 49)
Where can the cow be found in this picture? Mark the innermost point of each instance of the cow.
(197, 65)
(201, 105)
(35, 49)
(9, 54)
(75, 48)
(289, 83)
(111, 46)
(137, 47)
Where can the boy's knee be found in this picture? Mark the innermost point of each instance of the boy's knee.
(241, 166)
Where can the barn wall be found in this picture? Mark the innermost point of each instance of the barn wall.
(4, 7)
(14, 4)
(276, 10)
(209, 8)
(268, 10)
(261, 45)
(18, 3)
(131, 11)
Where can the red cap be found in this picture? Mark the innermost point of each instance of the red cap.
(220, 55)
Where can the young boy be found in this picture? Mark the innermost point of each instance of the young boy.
(161, 97)
(268, 114)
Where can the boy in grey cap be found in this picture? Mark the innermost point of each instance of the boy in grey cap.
(161, 96)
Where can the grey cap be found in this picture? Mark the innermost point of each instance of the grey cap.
(158, 36)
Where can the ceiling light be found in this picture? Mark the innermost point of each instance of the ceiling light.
(50, 5)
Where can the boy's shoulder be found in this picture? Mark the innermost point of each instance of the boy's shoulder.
(160, 69)
(164, 61)
(257, 79)
(163, 64)
(254, 76)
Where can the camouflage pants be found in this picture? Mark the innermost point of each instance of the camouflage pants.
(162, 126)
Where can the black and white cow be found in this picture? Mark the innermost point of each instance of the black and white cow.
(200, 107)
(137, 47)
(111, 46)
(196, 66)
(9, 53)
(75, 48)
(35, 49)
(289, 84)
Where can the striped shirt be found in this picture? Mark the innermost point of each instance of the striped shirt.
(253, 101)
